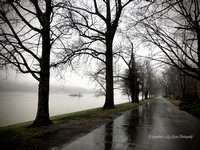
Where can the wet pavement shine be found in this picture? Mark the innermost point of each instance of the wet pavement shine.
(157, 125)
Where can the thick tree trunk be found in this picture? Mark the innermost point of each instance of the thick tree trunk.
(42, 117)
(146, 95)
(132, 95)
(109, 100)
(137, 93)
(198, 50)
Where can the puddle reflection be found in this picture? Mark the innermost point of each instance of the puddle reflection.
(122, 133)
(108, 136)
(132, 122)
(126, 131)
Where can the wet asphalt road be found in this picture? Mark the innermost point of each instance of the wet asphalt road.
(157, 125)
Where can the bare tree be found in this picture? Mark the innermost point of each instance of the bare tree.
(130, 78)
(130, 81)
(177, 85)
(174, 27)
(27, 34)
(147, 79)
(97, 24)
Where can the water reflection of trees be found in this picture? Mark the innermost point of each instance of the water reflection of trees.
(131, 124)
(108, 136)
(128, 128)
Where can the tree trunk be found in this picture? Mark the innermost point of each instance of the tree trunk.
(42, 117)
(109, 100)
(198, 49)
(146, 95)
(132, 95)
(137, 92)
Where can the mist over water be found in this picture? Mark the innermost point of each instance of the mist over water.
(17, 107)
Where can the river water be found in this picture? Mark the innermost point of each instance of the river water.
(17, 107)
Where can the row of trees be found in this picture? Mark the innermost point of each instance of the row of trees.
(140, 77)
(33, 31)
(36, 35)
(173, 26)
(177, 85)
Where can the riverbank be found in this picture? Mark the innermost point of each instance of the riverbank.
(65, 129)
(17, 107)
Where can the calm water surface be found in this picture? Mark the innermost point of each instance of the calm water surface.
(16, 107)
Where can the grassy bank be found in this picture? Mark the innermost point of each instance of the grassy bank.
(19, 135)
(175, 102)
(193, 108)
(97, 112)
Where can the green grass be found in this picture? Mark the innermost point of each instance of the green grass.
(98, 112)
(75, 115)
(193, 108)
(19, 133)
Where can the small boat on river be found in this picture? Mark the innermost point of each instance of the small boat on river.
(76, 95)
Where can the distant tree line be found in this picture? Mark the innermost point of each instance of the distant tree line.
(177, 85)
(139, 78)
